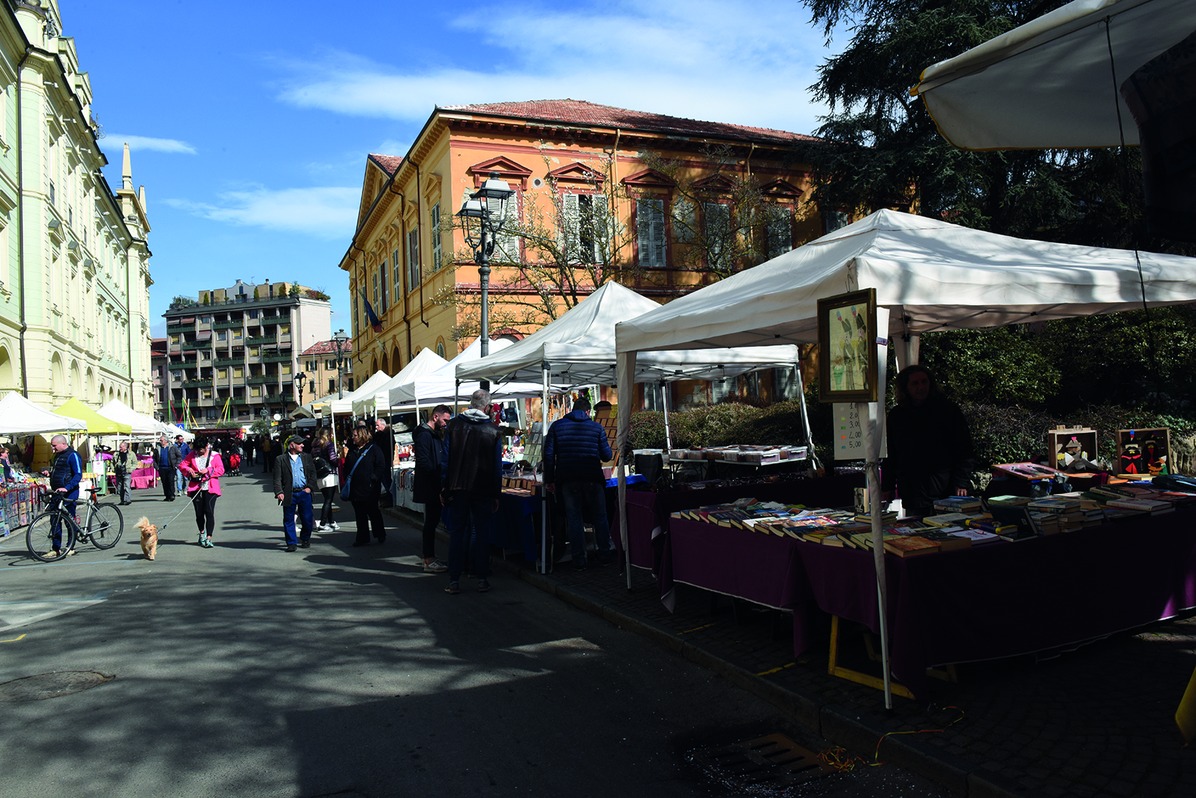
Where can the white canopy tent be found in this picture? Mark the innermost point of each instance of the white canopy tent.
(442, 386)
(1055, 81)
(174, 430)
(19, 416)
(928, 275)
(579, 349)
(340, 407)
(378, 399)
(142, 425)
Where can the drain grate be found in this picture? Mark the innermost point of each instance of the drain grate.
(773, 760)
(50, 685)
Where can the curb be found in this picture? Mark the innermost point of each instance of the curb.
(826, 721)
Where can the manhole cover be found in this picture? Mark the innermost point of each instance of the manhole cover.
(772, 761)
(50, 685)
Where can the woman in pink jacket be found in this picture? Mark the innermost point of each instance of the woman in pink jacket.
(203, 469)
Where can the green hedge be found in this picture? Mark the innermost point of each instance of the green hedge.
(1000, 434)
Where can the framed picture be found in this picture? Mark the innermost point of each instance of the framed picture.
(1071, 449)
(1143, 452)
(847, 369)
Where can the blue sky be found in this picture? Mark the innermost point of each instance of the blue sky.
(249, 123)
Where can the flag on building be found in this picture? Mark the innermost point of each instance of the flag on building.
(371, 316)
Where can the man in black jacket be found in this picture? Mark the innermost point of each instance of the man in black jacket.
(574, 451)
(471, 490)
(427, 443)
(167, 459)
(294, 476)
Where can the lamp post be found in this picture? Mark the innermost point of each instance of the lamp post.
(487, 206)
(340, 339)
(299, 379)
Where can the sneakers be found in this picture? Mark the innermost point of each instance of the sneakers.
(453, 588)
(207, 543)
(305, 544)
(484, 586)
(434, 566)
(334, 526)
(201, 540)
(291, 547)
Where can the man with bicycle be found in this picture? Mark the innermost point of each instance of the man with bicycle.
(65, 474)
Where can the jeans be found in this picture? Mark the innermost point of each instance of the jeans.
(68, 507)
(431, 521)
(124, 484)
(180, 481)
(302, 503)
(470, 521)
(585, 500)
(326, 510)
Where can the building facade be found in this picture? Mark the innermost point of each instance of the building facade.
(233, 353)
(325, 367)
(661, 204)
(74, 257)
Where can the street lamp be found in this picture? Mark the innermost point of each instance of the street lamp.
(487, 206)
(340, 339)
(299, 379)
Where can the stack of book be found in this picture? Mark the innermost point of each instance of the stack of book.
(958, 504)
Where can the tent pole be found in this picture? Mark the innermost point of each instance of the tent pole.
(625, 388)
(805, 417)
(871, 415)
(544, 368)
(664, 403)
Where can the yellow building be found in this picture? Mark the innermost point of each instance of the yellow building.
(660, 204)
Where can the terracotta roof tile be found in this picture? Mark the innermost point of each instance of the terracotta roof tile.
(580, 112)
(389, 163)
(327, 348)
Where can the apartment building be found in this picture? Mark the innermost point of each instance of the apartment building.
(233, 353)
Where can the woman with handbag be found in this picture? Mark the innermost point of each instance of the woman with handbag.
(367, 475)
(203, 469)
(327, 470)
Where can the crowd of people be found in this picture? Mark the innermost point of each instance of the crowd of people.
(458, 479)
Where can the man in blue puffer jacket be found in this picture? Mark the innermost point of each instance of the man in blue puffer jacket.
(573, 453)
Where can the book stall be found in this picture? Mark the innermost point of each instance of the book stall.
(932, 600)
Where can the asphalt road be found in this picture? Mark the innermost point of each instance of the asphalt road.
(245, 670)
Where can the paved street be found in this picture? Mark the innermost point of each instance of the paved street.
(245, 670)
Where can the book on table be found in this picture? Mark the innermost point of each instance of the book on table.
(945, 519)
(910, 545)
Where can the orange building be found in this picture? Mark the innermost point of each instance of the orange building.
(660, 204)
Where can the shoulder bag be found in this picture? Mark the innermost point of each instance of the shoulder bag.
(345, 489)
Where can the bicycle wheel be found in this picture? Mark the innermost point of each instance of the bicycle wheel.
(39, 537)
(105, 526)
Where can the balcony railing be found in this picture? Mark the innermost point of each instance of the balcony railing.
(277, 357)
(205, 382)
(228, 325)
(180, 366)
(261, 339)
(194, 346)
(268, 379)
(229, 361)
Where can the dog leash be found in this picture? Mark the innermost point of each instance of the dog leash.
(190, 501)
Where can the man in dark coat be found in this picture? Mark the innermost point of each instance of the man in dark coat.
(930, 446)
(574, 450)
(294, 476)
(427, 444)
(166, 460)
(471, 490)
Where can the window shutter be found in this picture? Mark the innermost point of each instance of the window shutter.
(649, 223)
(598, 224)
(436, 242)
(570, 233)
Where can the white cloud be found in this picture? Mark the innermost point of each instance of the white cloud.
(709, 59)
(327, 212)
(115, 142)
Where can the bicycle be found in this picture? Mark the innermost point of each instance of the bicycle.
(102, 526)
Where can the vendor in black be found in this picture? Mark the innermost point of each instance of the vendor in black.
(930, 446)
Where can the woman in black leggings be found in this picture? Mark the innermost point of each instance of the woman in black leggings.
(203, 469)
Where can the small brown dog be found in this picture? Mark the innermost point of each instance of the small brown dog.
(149, 537)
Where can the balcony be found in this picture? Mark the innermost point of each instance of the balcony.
(227, 325)
(177, 327)
(205, 382)
(180, 366)
(277, 357)
(195, 346)
(261, 339)
(268, 321)
(263, 379)
(229, 361)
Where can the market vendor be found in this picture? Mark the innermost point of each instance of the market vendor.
(930, 446)
(7, 472)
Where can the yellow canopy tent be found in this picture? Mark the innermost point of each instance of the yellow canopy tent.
(96, 424)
